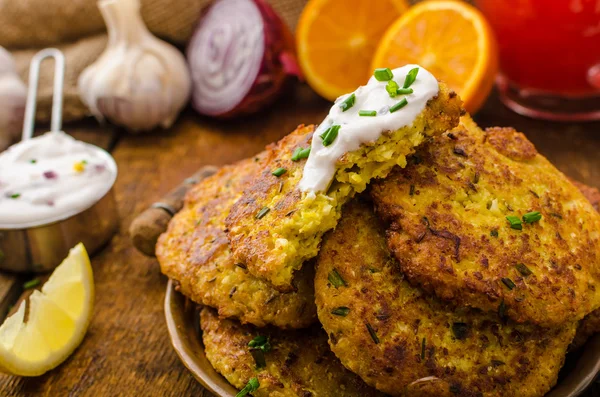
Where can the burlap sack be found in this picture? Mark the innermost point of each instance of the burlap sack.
(26, 26)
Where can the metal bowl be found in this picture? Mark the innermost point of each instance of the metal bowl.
(183, 323)
(42, 248)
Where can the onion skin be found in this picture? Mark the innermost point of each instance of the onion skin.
(278, 63)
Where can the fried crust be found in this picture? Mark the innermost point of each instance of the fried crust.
(445, 210)
(299, 363)
(419, 345)
(276, 245)
(195, 252)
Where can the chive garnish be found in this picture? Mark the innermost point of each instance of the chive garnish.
(411, 190)
(84, 162)
(531, 217)
(335, 279)
(404, 91)
(33, 161)
(251, 386)
(300, 153)
(524, 270)
(515, 222)
(348, 103)
(502, 310)
(460, 330)
(383, 74)
(279, 171)
(262, 212)
(31, 283)
(494, 233)
(497, 363)
(330, 134)
(367, 113)
(392, 88)
(423, 344)
(261, 342)
(341, 311)
(410, 77)
(398, 105)
(15, 196)
(508, 282)
(372, 333)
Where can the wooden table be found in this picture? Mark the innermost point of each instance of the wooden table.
(127, 350)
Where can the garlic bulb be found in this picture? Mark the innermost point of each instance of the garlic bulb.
(139, 82)
(13, 95)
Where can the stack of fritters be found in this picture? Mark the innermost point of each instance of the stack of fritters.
(423, 288)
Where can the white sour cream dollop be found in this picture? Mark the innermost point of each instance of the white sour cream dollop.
(356, 130)
(50, 178)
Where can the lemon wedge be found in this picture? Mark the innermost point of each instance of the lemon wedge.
(58, 319)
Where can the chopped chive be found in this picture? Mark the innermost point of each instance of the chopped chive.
(31, 283)
(348, 103)
(494, 233)
(423, 344)
(392, 88)
(33, 161)
(261, 342)
(330, 134)
(515, 222)
(497, 363)
(460, 330)
(15, 196)
(367, 113)
(300, 153)
(411, 190)
(262, 212)
(398, 105)
(250, 387)
(372, 333)
(383, 74)
(335, 279)
(341, 311)
(259, 358)
(84, 162)
(410, 77)
(524, 270)
(404, 91)
(279, 171)
(508, 282)
(531, 217)
(502, 310)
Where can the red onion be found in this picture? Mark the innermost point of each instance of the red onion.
(240, 56)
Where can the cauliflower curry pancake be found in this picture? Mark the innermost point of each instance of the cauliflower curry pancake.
(480, 218)
(408, 343)
(292, 363)
(195, 252)
(275, 226)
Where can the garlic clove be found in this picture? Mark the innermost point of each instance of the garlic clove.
(139, 82)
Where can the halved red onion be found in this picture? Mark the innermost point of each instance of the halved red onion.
(239, 57)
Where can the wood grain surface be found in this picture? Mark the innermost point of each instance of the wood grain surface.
(127, 350)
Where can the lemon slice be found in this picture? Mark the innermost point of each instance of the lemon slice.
(58, 319)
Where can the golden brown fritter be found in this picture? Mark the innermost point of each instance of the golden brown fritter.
(195, 252)
(408, 343)
(590, 324)
(274, 227)
(299, 363)
(448, 228)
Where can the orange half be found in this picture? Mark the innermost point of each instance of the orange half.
(336, 40)
(449, 38)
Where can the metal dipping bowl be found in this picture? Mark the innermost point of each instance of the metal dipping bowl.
(42, 247)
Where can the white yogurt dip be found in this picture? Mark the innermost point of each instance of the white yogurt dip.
(50, 178)
(355, 129)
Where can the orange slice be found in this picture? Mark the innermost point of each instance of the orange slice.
(449, 38)
(336, 40)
